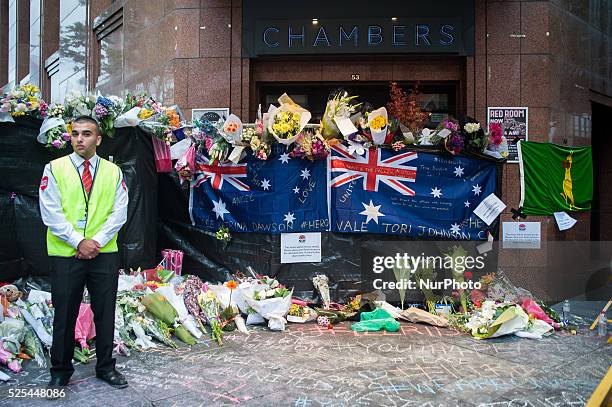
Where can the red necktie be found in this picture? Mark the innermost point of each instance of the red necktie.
(86, 177)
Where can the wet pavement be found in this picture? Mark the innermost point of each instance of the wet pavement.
(308, 366)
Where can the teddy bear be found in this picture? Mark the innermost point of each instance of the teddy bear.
(11, 292)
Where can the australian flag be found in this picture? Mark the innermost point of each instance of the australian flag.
(280, 195)
(408, 193)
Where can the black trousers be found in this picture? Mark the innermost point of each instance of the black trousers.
(69, 276)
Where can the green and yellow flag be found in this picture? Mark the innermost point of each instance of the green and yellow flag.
(555, 178)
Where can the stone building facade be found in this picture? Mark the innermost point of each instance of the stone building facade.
(552, 56)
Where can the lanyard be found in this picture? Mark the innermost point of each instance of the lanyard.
(86, 196)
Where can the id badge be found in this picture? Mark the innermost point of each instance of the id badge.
(81, 223)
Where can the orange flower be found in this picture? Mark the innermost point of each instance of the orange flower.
(232, 285)
(173, 118)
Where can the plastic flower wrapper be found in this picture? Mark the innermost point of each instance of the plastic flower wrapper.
(300, 312)
(287, 121)
(159, 330)
(232, 132)
(310, 146)
(535, 330)
(23, 100)
(84, 328)
(130, 118)
(9, 359)
(475, 139)
(339, 106)
(211, 307)
(143, 340)
(33, 347)
(321, 284)
(192, 288)
(12, 332)
(274, 308)
(494, 320)
(28, 311)
(535, 311)
(378, 121)
(219, 150)
(159, 307)
(179, 305)
(78, 104)
(121, 337)
(496, 143)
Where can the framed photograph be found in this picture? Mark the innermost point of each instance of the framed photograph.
(212, 114)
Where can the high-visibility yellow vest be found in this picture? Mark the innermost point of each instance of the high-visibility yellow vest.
(99, 207)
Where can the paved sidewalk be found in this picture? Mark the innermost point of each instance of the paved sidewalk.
(307, 366)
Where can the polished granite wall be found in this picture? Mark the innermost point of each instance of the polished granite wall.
(554, 57)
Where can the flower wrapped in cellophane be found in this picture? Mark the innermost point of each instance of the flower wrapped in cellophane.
(287, 121)
(378, 121)
(232, 131)
(53, 133)
(496, 143)
(12, 332)
(493, 320)
(78, 104)
(321, 284)
(310, 146)
(211, 308)
(340, 106)
(22, 100)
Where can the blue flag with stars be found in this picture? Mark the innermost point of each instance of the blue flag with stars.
(280, 195)
(408, 193)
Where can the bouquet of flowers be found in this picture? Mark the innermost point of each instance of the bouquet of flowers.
(163, 122)
(406, 108)
(321, 283)
(106, 110)
(287, 121)
(77, 104)
(497, 319)
(474, 136)
(135, 109)
(266, 297)
(23, 100)
(223, 234)
(191, 290)
(339, 106)
(310, 146)
(211, 308)
(53, 133)
(377, 123)
(12, 332)
(496, 144)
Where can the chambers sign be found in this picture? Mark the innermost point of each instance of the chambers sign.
(437, 27)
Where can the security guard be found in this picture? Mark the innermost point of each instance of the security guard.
(83, 202)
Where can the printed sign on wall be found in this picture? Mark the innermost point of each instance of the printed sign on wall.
(514, 121)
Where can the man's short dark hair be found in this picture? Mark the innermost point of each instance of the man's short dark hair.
(89, 119)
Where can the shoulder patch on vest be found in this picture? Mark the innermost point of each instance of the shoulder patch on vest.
(44, 182)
